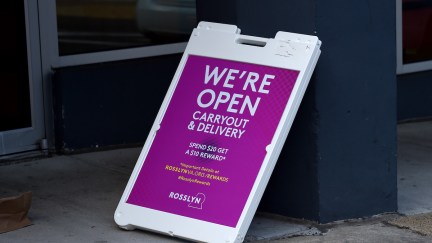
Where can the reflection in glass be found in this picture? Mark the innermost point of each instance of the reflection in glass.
(15, 109)
(99, 25)
(417, 30)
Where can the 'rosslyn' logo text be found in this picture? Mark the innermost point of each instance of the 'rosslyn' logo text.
(194, 201)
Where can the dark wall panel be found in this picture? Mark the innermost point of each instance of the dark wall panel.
(415, 95)
(109, 104)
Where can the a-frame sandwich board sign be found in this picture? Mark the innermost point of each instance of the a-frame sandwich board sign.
(218, 134)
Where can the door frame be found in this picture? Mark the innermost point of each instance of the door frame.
(29, 138)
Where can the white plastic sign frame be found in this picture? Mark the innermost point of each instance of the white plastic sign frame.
(218, 134)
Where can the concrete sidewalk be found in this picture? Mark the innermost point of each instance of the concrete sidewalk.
(75, 196)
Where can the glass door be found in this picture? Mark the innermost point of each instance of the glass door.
(21, 96)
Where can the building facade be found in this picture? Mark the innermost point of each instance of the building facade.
(91, 88)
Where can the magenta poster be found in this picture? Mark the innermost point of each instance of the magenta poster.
(211, 143)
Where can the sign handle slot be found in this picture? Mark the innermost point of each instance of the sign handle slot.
(258, 42)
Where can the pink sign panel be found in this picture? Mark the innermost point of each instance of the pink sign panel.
(211, 143)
